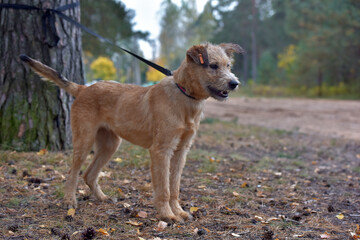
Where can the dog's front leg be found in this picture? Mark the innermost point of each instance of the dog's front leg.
(161, 154)
(176, 167)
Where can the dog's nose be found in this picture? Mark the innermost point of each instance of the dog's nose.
(233, 84)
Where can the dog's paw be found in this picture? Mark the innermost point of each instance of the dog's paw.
(178, 211)
(69, 203)
(170, 218)
(185, 215)
(100, 196)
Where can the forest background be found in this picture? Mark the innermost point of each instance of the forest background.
(293, 48)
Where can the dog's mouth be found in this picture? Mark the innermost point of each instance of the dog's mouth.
(223, 94)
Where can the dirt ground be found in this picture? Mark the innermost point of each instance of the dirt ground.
(331, 118)
(266, 178)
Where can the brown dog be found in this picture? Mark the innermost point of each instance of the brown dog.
(163, 118)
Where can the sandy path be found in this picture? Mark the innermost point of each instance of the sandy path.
(332, 118)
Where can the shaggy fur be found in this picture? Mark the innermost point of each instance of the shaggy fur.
(160, 118)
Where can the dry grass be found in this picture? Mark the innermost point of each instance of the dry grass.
(247, 183)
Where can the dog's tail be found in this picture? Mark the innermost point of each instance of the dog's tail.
(49, 74)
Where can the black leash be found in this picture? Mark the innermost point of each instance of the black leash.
(48, 19)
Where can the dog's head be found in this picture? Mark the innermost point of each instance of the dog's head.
(212, 66)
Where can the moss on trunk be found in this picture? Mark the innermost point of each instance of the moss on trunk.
(35, 114)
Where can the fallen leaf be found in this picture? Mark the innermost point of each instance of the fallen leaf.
(236, 194)
(202, 187)
(325, 236)
(235, 235)
(140, 238)
(42, 152)
(215, 177)
(161, 226)
(260, 194)
(294, 205)
(273, 219)
(126, 205)
(126, 181)
(298, 235)
(76, 232)
(71, 212)
(134, 223)
(354, 235)
(103, 232)
(244, 185)
(258, 218)
(228, 180)
(82, 192)
(119, 160)
(340, 216)
(193, 209)
(206, 229)
(212, 159)
(142, 214)
(105, 174)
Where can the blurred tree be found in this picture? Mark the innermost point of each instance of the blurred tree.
(154, 75)
(328, 35)
(235, 25)
(170, 36)
(112, 20)
(34, 114)
(181, 27)
(258, 26)
(103, 69)
(205, 25)
(267, 69)
(287, 59)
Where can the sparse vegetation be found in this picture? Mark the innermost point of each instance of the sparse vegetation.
(260, 184)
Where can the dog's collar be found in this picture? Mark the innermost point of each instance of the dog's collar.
(183, 90)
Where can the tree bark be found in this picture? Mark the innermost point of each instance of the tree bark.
(320, 82)
(253, 42)
(35, 114)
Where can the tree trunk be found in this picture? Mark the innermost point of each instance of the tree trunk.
(253, 42)
(320, 82)
(245, 68)
(35, 114)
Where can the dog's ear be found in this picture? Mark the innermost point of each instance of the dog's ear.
(198, 54)
(231, 48)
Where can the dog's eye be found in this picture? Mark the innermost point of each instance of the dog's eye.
(228, 65)
(214, 66)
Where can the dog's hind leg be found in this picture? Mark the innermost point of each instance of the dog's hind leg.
(106, 143)
(83, 141)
